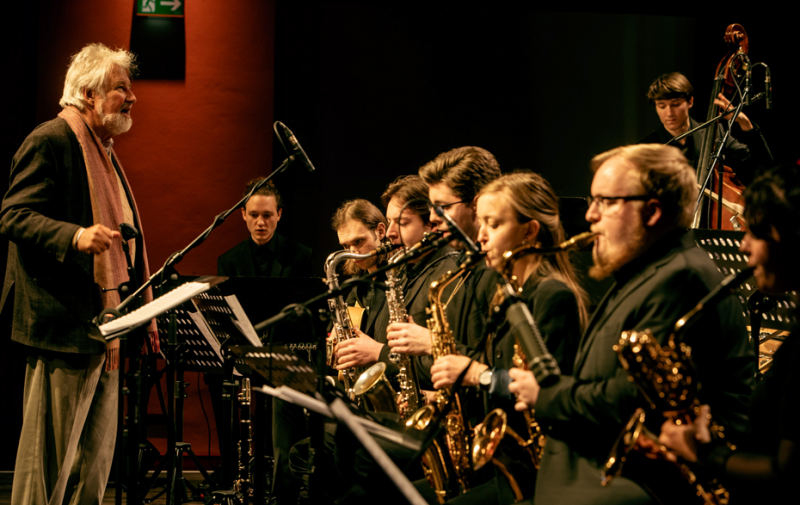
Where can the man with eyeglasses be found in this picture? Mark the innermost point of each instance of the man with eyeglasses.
(454, 179)
(642, 200)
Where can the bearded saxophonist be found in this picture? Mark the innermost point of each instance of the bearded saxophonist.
(642, 198)
(517, 209)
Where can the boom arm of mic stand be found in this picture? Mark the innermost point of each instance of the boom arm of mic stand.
(711, 121)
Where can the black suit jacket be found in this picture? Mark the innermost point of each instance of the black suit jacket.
(292, 259)
(584, 413)
(50, 286)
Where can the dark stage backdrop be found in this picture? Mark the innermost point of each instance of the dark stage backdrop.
(372, 92)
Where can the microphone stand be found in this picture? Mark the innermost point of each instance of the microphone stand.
(160, 278)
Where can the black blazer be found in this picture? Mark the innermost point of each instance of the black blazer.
(292, 259)
(50, 286)
(583, 413)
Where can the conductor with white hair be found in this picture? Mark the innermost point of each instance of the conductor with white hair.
(67, 197)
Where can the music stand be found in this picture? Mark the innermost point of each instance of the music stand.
(262, 298)
(723, 248)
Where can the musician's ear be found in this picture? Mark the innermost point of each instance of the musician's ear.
(533, 231)
(652, 212)
(690, 101)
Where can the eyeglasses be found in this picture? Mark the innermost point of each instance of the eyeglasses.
(446, 205)
(602, 201)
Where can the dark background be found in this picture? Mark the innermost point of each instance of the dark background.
(375, 91)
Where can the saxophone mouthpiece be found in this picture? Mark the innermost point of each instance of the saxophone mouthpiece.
(578, 241)
(385, 248)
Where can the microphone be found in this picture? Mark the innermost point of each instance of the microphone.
(456, 230)
(297, 149)
(128, 232)
(748, 80)
(768, 89)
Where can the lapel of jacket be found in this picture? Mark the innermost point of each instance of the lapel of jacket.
(418, 283)
(602, 315)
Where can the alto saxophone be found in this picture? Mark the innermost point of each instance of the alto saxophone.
(242, 484)
(446, 462)
(373, 384)
(667, 378)
(522, 456)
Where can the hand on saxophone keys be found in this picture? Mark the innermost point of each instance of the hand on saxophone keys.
(446, 370)
(683, 439)
(524, 387)
(359, 351)
(409, 338)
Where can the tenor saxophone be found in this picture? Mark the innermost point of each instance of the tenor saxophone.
(343, 328)
(446, 462)
(667, 378)
(519, 457)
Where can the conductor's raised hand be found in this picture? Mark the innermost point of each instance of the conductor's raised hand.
(96, 239)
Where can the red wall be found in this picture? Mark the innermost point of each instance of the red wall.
(194, 143)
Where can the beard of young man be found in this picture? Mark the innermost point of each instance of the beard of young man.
(628, 248)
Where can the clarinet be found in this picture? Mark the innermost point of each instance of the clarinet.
(242, 485)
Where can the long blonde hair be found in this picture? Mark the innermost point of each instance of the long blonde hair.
(532, 197)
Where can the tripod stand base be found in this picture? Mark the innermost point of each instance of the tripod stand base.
(228, 497)
(175, 473)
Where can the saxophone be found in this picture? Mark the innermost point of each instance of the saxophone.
(242, 485)
(519, 458)
(343, 328)
(446, 462)
(373, 384)
(667, 378)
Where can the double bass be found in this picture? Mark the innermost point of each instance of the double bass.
(727, 213)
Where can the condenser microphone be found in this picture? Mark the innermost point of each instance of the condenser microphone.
(297, 149)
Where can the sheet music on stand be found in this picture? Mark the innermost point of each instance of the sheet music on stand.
(723, 248)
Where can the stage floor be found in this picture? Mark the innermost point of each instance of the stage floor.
(7, 478)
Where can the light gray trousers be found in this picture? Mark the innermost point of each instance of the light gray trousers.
(68, 430)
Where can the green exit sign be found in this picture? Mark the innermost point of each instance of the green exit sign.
(172, 8)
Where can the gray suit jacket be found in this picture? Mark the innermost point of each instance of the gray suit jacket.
(50, 288)
(584, 413)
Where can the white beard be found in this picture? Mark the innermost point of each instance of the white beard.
(116, 123)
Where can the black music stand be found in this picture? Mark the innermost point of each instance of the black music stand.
(218, 320)
(262, 298)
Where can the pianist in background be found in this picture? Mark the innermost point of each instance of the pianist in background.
(67, 197)
(266, 253)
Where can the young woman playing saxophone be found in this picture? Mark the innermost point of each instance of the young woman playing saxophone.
(515, 209)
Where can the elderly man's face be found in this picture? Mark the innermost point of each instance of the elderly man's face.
(113, 106)
(620, 223)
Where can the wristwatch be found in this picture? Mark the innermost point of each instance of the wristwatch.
(485, 379)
